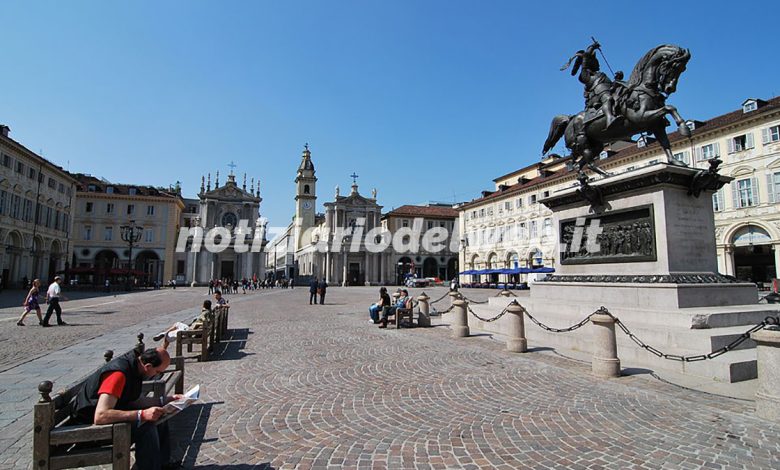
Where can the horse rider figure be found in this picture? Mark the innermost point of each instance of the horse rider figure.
(598, 87)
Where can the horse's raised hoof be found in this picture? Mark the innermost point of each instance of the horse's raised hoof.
(684, 130)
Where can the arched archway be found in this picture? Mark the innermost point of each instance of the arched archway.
(149, 263)
(535, 257)
(452, 268)
(105, 261)
(754, 257)
(404, 266)
(55, 255)
(14, 247)
(37, 257)
(430, 267)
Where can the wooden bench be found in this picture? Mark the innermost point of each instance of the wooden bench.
(203, 336)
(60, 443)
(221, 315)
(400, 314)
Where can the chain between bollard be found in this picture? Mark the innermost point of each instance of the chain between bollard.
(439, 299)
(474, 301)
(768, 321)
(436, 312)
(488, 320)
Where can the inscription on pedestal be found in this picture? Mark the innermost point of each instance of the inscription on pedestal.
(622, 236)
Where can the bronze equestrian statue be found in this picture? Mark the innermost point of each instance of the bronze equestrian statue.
(617, 110)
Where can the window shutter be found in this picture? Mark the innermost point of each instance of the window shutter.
(731, 145)
(770, 188)
(735, 194)
(754, 189)
(765, 135)
(698, 154)
(716, 146)
(749, 140)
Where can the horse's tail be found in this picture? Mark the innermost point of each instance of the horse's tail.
(557, 128)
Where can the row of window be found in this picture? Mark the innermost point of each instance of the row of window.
(429, 224)
(736, 144)
(111, 190)
(89, 207)
(108, 234)
(507, 206)
(32, 173)
(508, 233)
(21, 208)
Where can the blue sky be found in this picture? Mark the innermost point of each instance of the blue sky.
(425, 100)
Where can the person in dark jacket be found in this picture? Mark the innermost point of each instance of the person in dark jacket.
(313, 291)
(112, 394)
(322, 287)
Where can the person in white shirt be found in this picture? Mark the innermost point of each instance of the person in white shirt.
(53, 297)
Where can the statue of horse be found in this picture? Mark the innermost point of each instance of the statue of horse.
(641, 101)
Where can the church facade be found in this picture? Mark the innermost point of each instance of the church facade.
(231, 212)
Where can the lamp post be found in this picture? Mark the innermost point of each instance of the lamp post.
(130, 234)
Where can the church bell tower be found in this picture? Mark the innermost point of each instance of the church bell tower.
(305, 198)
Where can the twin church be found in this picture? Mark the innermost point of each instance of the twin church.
(294, 253)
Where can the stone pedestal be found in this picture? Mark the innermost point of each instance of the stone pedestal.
(516, 322)
(605, 359)
(460, 325)
(768, 392)
(650, 244)
(424, 318)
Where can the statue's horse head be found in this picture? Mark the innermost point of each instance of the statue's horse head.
(660, 68)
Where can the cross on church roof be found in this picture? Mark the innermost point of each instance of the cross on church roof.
(231, 166)
(354, 177)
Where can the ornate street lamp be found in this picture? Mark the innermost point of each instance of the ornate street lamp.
(130, 234)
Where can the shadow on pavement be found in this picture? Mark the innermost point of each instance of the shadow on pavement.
(239, 466)
(232, 348)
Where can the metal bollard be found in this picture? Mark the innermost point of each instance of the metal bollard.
(768, 392)
(423, 318)
(605, 359)
(517, 341)
(504, 293)
(460, 324)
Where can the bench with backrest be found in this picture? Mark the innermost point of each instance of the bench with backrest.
(400, 314)
(60, 443)
(203, 336)
(221, 316)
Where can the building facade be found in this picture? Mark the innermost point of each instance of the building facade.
(234, 211)
(349, 243)
(36, 212)
(441, 261)
(507, 227)
(102, 210)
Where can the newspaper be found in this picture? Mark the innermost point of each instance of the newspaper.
(173, 408)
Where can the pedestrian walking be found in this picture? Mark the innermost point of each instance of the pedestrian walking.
(53, 297)
(31, 303)
(322, 287)
(211, 286)
(313, 285)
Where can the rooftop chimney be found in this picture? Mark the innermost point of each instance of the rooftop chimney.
(4, 130)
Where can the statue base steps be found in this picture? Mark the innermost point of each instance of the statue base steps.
(689, 331)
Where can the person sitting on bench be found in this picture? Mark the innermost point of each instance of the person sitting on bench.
(169, 336)
(374, 309)
(391, 310)
(112, 394)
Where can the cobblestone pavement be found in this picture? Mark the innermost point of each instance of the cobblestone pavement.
(301, 386)
(88, 315)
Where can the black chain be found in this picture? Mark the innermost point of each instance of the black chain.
(768, 321)
(474, 301)
(440, 298)
(697, 357)
(488, 320)
(559, 330)
(436, 312)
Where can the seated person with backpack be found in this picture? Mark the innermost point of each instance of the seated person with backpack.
(404, 301)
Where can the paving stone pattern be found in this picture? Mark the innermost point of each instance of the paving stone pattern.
(301, 386)
(319, 387)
